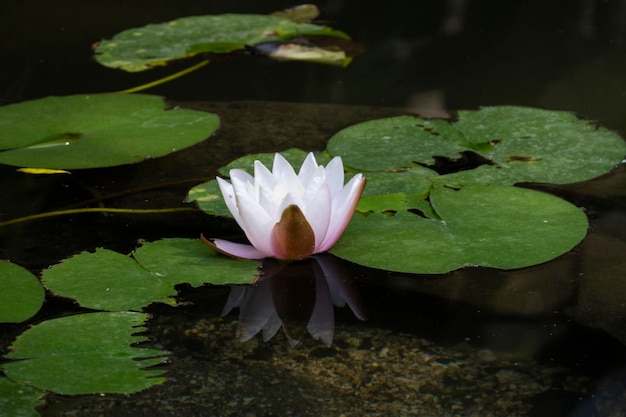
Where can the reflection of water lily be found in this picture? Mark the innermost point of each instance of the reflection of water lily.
(295, 296)
(289, 216)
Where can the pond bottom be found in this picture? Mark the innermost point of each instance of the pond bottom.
(367, 371)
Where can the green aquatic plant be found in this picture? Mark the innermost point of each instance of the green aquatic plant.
(85, 354)
(21, 294)
(414, 219)
(142, 48)
(97, 130)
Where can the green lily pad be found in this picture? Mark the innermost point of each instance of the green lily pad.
(478, 225)
(85, 354)
(396, 190)
(19, 400)
(107, 280)
(189, 261)
(142, 48)
(518, 145)
(21, 294)
(97, 130)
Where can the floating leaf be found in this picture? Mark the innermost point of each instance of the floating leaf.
(421, 221)
(395, 190)
(479, 225)
(142, 48)
(518, 145)
(21, 294)
(107, 280)
(97, 130)
(85, 354)
(190, 261)
(19, 400)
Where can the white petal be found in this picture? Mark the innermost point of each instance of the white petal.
(269, 202)
(241, 176)
(242, 182)
(229, 197)
(343, 208)
(308, 169)
(255, 222)
(335, 175)
(263, 176)
(317, 209)
(286, 176)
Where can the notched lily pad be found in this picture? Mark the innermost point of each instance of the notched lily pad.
(97, 130)
(93, 355)
(142, 48)
(520, 145)
(21, 294)
(107, 280)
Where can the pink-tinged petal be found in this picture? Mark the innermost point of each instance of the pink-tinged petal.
(232, 249)
(308, 169)
(334, 175)
(292, 237)
(343, 208)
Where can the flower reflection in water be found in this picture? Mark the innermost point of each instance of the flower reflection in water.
(298, 296)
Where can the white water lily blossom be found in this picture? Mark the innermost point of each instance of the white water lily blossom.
(287, 215)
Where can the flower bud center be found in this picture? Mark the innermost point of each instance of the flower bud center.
(292, 235)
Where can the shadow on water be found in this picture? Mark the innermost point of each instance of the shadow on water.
(541, 341)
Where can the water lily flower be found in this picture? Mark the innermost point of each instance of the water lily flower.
(287, 215)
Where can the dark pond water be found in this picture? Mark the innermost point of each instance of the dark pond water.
(542, 341)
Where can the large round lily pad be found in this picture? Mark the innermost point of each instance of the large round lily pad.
(97, 130)
(478, 225)
(142, 48)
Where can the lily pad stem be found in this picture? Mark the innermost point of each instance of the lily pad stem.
(93, 210)
(165, 79)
